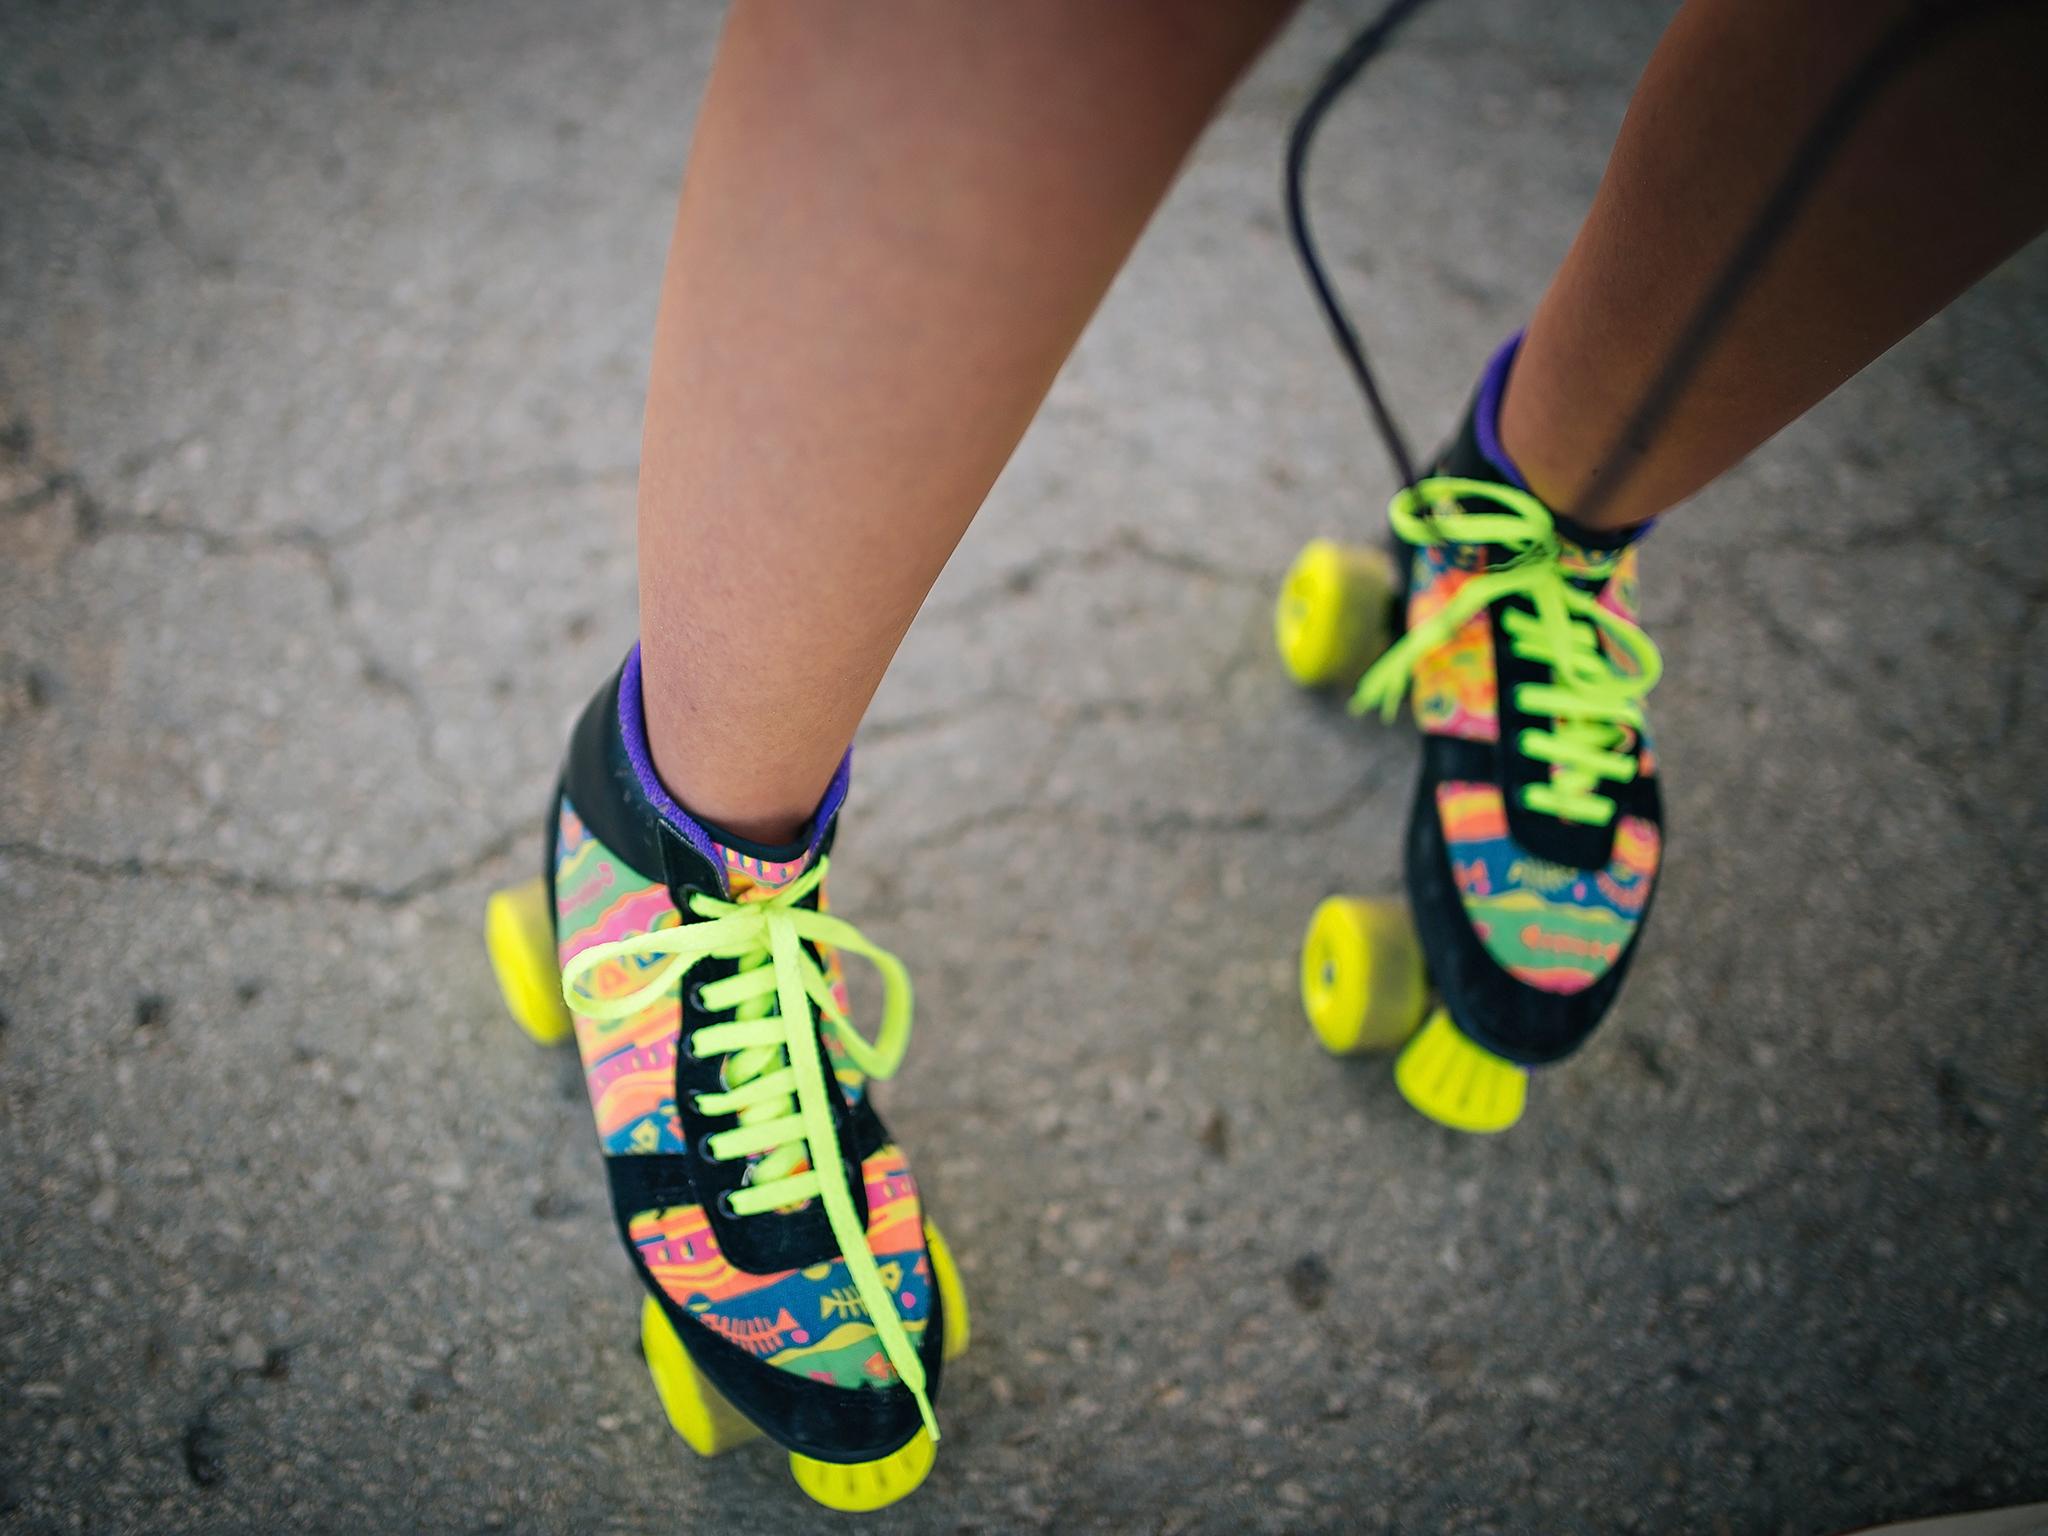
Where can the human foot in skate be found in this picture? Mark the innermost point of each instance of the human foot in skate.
(793, 1285)
(1536, 831)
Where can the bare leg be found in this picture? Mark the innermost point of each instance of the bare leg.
(1942, 180)
(893, 228)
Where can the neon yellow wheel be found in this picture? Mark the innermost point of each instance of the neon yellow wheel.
(952, 1295)
(861, 1486)
(699, 1412)
(857, 1487)
(1332, 618)
(519, 931)
(1362, 982)
(1457, 1083)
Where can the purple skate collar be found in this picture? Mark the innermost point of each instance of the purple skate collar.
(702, 836)
(1493, 385)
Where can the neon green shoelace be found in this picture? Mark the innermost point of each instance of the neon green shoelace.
(1595, 705)
(775, 1077)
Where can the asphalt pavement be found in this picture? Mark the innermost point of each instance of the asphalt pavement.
(323, 336)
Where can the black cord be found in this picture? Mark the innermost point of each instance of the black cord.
(1924, 28)
(1335, 79)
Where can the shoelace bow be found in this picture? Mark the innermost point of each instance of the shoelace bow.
(1595, 705)
(775, 1077)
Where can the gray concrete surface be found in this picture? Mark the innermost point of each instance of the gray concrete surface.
(322, 340)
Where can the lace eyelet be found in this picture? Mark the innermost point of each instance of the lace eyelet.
(724, 1204)
(704, 1148)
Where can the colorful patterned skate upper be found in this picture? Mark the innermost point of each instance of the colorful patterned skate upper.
(817, 1321)
(1490, 555)
(1549, 925)
(811, 1320)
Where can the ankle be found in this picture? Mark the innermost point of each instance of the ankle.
(1536, 445)
(757, 795)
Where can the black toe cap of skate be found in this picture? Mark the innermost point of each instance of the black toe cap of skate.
(814, 1418)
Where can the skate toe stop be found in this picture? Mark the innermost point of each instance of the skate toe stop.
(1457, 1083)
(857, 1487)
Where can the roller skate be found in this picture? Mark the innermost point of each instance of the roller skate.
(1536, 829)
(794, 1287)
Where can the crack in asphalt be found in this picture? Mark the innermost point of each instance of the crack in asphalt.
(94, 521)
(247, 883)
(1016, 582)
